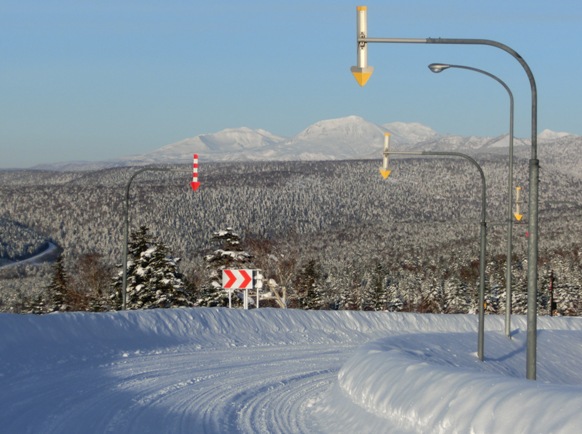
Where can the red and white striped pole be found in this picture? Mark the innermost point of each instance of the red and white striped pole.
(195, 184)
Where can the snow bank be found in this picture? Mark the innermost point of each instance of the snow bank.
(206, 327)
(434, 383)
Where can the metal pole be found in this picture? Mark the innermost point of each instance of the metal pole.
(551, 292)
(482, 241)
(126, 231)
(437, 67)
(532, 260)
(532, 270)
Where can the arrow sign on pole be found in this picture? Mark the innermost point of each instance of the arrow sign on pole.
(362, 71)
(237, 279)
(195, 184)
(384, 171)
(517, 213)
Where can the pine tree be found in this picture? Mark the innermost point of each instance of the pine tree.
(395, 302)
(58, 288)
(153, 277)
(376, 290)
(308, 285)
(230, 254)
(519, 288)
(351, 297)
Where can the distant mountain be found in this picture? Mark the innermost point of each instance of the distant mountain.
(334, 139)
(75, 166)
(548, 135)
(217, 146)
(350, 137)
(411, 131)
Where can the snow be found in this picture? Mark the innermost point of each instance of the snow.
(214, 370)
(552, 135)
(45, 255)
(349, 137)
(412, 131)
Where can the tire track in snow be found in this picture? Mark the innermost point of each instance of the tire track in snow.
(267, 389)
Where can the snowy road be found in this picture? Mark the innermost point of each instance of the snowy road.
(249, 390)
(184, 391)
(262, 371)
(260, 380)
(47, 254)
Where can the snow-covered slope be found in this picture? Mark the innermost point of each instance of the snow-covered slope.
(411, 132)
(215, 146)
(280, 371)
(549, 135)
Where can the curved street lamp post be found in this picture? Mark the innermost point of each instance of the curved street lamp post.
(439, 67)
(126, 230)
(362, 73)
(482, 238)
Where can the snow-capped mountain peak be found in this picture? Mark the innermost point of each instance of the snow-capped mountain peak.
(341, 138)
(551, 135)
(411, 131)
(227, 140)
(350, 126)
(350, 137)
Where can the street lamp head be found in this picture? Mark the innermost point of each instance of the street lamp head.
(438, 67)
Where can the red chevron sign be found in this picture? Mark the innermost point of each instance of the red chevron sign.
(237, 279)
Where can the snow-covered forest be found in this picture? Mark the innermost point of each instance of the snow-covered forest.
(327, 235)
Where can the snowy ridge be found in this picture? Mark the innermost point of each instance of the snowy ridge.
(230, 140)
(411, 131)
(271, 370)
(333, 139)
(350, 137)
(548, 135)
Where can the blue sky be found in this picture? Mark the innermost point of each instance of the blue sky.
(95, 80)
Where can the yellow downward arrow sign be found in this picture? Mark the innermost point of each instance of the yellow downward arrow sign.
(362, 75)
(518, 216)
(385, 172)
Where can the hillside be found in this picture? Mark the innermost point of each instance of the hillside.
(416, 232)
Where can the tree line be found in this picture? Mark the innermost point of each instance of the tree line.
(328, 235)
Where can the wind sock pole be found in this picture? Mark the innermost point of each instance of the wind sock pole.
(195, 184)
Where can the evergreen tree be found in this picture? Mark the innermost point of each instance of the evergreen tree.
(351, 296)
(35, 305)
(395, 302)
(58, 288)
(308, 285)
(519, 288)
(153, 277)
(376, 295)
(230, 254)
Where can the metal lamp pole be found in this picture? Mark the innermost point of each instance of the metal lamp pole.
(126, 230)
(482, 237)
(362, 73)
(439, 67)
